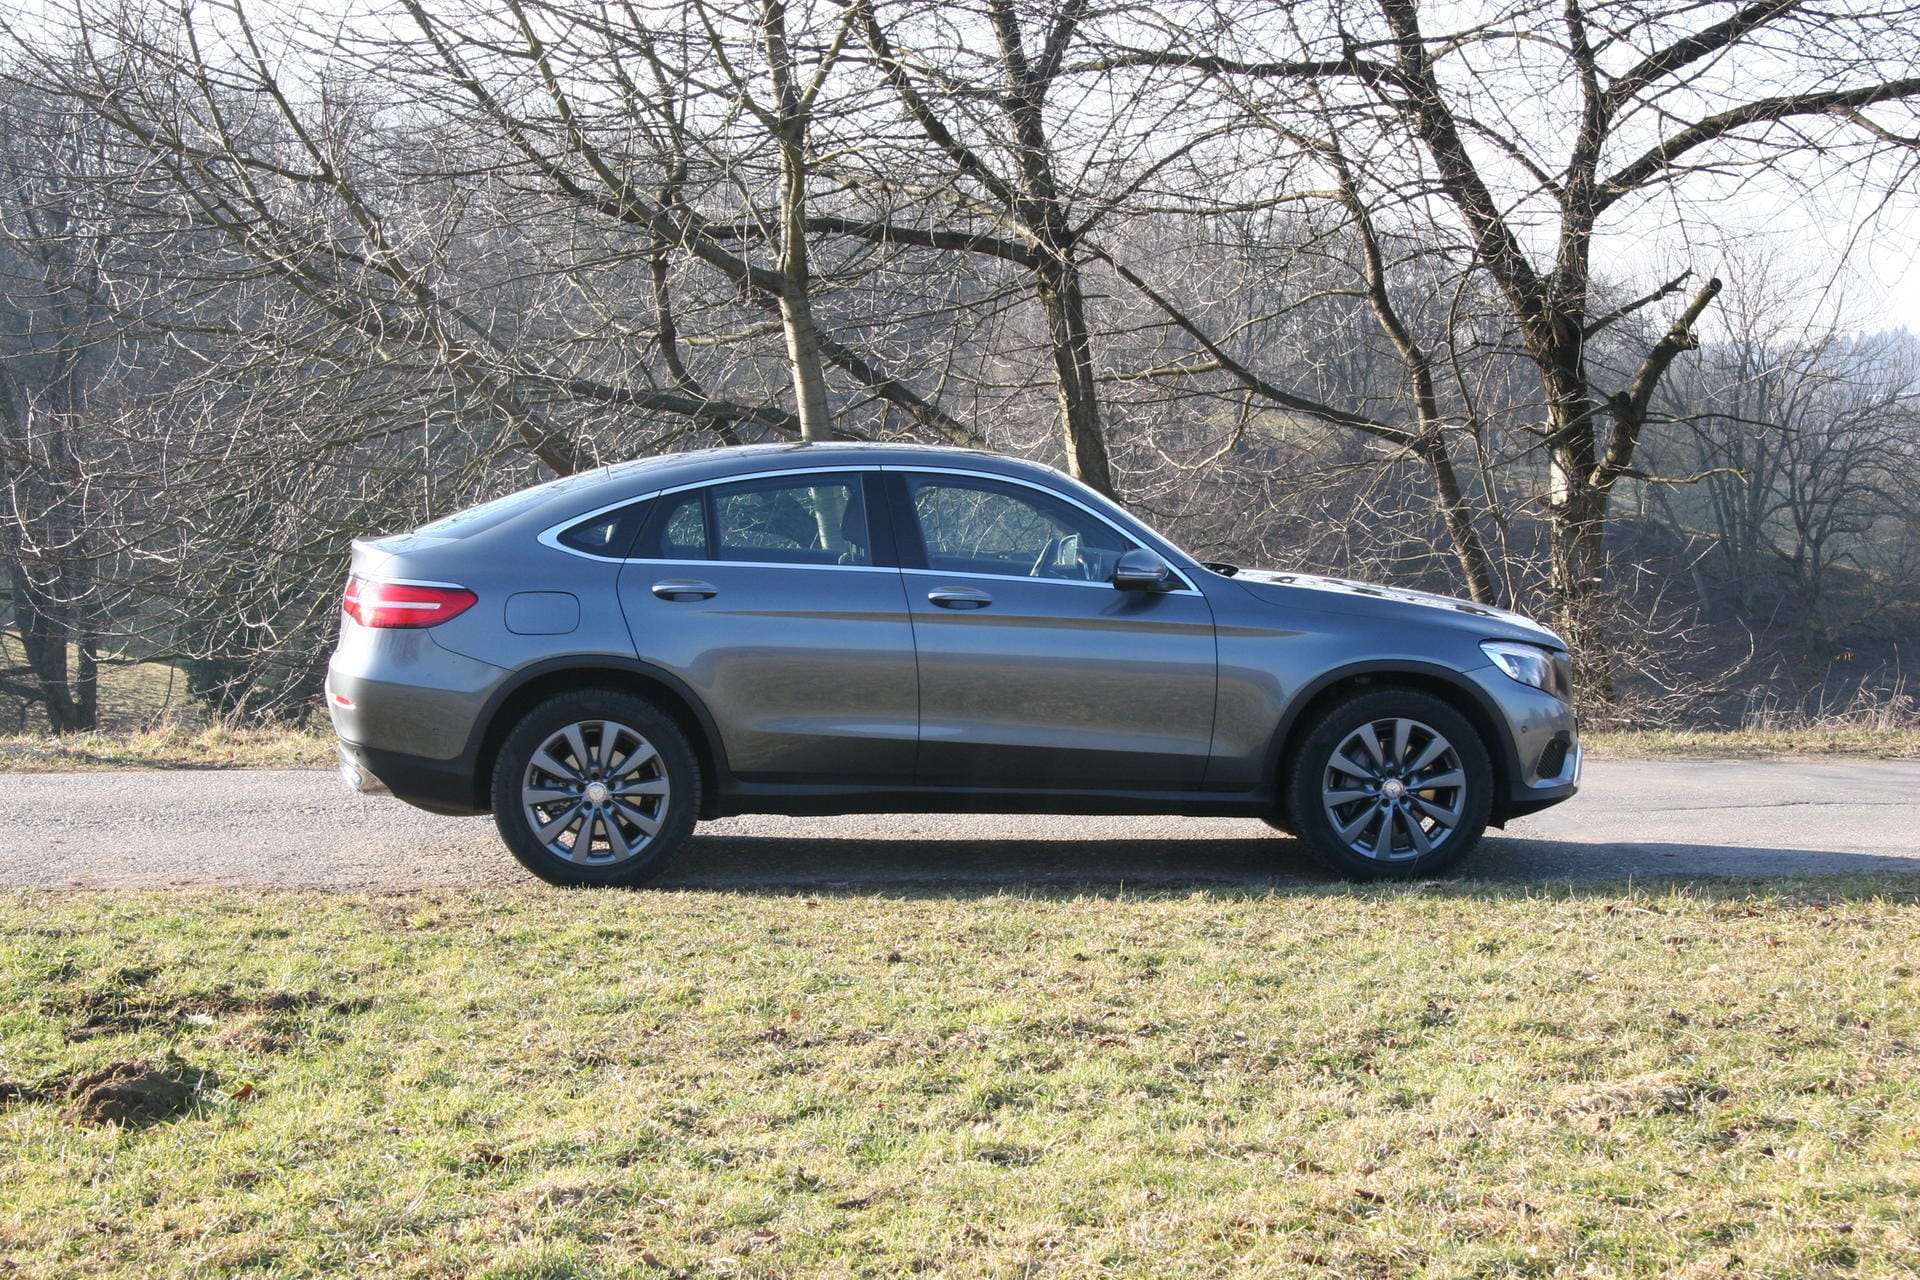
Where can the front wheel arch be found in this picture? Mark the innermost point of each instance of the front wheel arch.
(1438, 682)
(1332, 739)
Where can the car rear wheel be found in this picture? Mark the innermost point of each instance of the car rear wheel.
(1391, 784)
(595, 787)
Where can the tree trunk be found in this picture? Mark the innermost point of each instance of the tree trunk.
(1577, 516)
(45, 632)
(1476, 565)
(1057, 281)
(796, 305)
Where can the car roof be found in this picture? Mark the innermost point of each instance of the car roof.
(587, 493)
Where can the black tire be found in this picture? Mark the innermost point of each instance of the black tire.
(1407, 816)
(622, 818)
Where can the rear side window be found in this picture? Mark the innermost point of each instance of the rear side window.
(609, 534)
(678, 530)
(780, 520)
(793, 520)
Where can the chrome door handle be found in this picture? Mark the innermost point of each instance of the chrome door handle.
(959, 598)
(684, 589)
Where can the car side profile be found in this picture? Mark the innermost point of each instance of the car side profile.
(603, 660)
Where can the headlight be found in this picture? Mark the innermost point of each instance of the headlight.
(1528, 665)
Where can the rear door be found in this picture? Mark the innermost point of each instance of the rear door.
(1035, 672)
(780, 603)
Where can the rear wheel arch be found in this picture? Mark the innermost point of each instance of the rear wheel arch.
(539, 684)
(1439, 682)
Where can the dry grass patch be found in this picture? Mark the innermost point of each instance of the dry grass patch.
(168, 747)
(1432, 1081)
(1891, 743)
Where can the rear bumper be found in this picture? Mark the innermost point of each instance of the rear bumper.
(438, 786)
(407, 715)
(357, 776)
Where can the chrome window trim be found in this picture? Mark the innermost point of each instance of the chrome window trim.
(769, 564)
(550, 536)
(1162, 547)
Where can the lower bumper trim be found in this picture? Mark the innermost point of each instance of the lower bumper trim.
(357, 778)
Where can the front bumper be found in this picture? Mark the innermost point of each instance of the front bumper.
(1544, 756)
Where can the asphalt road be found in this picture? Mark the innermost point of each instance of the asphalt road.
(302, 829)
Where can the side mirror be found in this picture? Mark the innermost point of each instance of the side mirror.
(1142, 570)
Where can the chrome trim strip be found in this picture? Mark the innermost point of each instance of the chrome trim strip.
(550, 535)
(770, 564)
(411, 582)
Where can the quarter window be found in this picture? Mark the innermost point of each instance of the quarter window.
(978, 526)
(608, 534)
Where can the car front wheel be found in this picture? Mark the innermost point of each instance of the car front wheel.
(595, 787)
(1391, 784)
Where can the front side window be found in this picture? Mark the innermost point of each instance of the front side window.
(980, 526)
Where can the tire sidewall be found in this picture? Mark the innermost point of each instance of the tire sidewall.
(1330, 729)
(533, 729)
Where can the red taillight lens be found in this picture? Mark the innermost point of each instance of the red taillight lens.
(393, 604)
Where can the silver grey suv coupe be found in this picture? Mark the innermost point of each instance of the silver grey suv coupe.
(843, 628)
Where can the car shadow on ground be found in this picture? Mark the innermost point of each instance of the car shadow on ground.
(925, 868)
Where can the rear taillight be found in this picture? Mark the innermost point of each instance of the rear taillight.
(404, 604)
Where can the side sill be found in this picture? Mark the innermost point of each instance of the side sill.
(792, 800)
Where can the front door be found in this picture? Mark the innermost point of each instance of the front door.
(1035, 672)
(771, 600)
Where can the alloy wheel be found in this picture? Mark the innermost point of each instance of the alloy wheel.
(595, 793)
(1394, 789)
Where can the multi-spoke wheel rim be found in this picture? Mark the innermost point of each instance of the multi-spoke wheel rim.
(595, 793)
(1394, 790)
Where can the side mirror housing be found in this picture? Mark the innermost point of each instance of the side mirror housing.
(1142, 570)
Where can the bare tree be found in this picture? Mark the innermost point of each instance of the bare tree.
(1001, 171)
(1527, 130)
(1806, 438)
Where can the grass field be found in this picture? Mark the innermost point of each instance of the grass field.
(1430, 1081)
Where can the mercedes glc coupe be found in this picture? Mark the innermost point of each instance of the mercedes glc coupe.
(602, 661)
